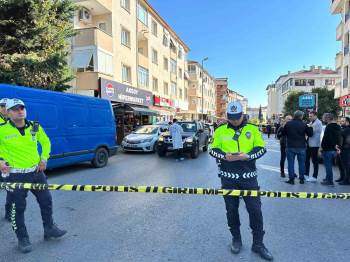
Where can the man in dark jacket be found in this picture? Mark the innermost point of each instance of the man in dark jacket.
(345, 152)
(283, 143)
(330, 143)
(268, 130)
(296, 131)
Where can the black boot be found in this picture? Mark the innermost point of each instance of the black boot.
(290, 181)
(236, 245)
(302, 181)
(53, 232)
(262, 251)
(24, 245)
(282, 174)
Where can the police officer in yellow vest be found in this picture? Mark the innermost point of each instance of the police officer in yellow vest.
(20, 159)
(3, 119)
(236, 146)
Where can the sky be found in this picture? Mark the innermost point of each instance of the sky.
(253, 42)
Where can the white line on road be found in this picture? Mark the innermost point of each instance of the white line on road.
(272, 168)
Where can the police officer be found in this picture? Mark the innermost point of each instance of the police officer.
(3, 119)
(236, 146)
(20, 159)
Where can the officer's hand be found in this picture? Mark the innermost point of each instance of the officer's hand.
(240, 157)
(4, 168)
(229, 157)
(41, 167)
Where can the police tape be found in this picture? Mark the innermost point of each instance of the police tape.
(175, 190)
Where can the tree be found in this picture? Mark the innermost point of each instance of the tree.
(326, 102)
(34, 42)
(260, 115)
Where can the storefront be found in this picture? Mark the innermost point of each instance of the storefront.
(164, 107)
(131, 106)
(344, 103)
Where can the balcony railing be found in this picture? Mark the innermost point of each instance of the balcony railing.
(339, 60)
(339, 34)
(93, 36)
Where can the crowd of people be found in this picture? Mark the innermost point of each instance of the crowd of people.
(308, 140)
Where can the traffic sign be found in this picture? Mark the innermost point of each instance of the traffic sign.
(308, 101)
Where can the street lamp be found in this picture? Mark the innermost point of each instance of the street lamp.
(204, 59)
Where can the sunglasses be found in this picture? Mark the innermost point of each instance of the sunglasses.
(18, 108)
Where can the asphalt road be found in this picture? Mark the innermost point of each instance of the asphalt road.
(159, 227)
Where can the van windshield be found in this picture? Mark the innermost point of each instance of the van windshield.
(189, 127)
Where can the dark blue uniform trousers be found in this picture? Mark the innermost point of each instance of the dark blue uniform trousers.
(253, 205)
(18, 201)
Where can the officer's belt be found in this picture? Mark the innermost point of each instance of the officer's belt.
(237, 176)
(23, 170)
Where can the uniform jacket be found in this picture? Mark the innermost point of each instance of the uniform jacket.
(245, 139)
(176, 135)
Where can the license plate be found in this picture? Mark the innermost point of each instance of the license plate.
(131, 145)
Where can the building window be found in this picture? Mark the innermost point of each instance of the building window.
(180, 93)
(125, 4)
(142, 76)
(173, 66)
(180, 73)
(166, 88)
(126, 74)
(330, 82)
(105, 63)
(154, 56)
(166, 64)
(191, 69)
(165, 40)
(173, 88)
(155, 84)
(142, 14)
(102, 26)
(154, 28)
(179, 54)
(186, 95)
(304, 82)
(125, 37)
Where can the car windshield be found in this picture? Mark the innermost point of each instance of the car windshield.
(147, 130)
(189, 127)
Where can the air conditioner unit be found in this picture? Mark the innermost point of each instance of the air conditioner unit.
(85, 15)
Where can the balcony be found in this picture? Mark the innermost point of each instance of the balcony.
(337, 6)
(339, 61)
(89, 80)
(93, 36)
(340, 29)
(97, 7)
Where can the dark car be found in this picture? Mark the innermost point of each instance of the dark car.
(194, 137)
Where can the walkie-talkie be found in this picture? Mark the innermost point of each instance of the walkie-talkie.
(35, 129)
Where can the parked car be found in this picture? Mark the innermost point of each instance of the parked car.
(144, 139)
(195, 137)
(80, 128)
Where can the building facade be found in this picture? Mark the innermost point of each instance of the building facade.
(272, 100)
(201, 93)
(304, 80)
(342, 60)
(129, 45)
(253, 113)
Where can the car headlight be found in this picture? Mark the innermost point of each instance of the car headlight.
(189, 140)
(147, 140)
(161, 139)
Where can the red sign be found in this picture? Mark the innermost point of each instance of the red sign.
(162, 101)
(344, 101)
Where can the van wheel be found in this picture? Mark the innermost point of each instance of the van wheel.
(101, 158)
(195, 151)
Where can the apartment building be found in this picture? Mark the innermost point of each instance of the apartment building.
(272, 100)
(201, 93)
(304, 80)
(342, 60)
(126, 52)
(225, 95)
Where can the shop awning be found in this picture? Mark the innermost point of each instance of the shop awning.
(143, 111)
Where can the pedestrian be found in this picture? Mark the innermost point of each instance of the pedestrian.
(338, 160)
(295, 132)
(268, 129)
(313, 146)
(3, 120)
(345, 151)
(236, 146)
(283, 144)
(22, 162)
(176, 132)
(330, 143)
(277, 126)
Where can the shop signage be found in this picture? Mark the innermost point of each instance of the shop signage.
(344, 101)
(118, 92)
(308, 101)
(162, 101)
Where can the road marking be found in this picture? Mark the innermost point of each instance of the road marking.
(272, 168)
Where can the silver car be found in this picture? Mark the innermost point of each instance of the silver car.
(143, 139)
